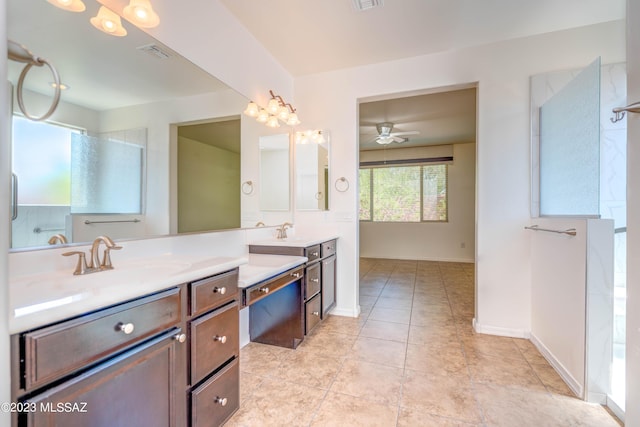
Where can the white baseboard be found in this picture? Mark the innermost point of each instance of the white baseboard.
(341, 311)
(571, 382)
(500, 331)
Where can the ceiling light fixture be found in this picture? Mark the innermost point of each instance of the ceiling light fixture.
(140, 13)
(366, 4)
(108, 22)
(69, 5)
(276, 110)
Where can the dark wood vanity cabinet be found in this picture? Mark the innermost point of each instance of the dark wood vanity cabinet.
(320, 277)
(166, 359)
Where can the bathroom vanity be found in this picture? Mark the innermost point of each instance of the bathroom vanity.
(319, 272)
(165, 358)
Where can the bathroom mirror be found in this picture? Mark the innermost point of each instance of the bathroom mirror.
(312, 170)
(119, 84)
(274, 172)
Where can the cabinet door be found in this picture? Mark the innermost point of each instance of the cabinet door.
(135, 389)
(328, 284)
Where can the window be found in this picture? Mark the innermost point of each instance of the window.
(404, 193)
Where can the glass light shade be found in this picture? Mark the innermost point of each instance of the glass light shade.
(252, 109)
(108, 22)
(140, 13)
(293, 120)
(283, 113)
(70, 5)
(273, 106)
(263, 116)
(384, 140)
(273, 122)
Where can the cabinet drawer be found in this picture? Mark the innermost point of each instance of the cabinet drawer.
(312, 281)
(213, 291)
(328, 248)
(312, 252)
(214, 340)
(213, 403)
(312, 313)
(263, 289)
(55, 351)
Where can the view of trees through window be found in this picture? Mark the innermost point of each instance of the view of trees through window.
(404, 193)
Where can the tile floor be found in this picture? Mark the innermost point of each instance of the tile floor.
(411, 359)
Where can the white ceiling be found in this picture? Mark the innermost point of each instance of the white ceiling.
(315, 36)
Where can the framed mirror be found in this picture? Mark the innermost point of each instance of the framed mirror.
(274, 173)
(312, 170)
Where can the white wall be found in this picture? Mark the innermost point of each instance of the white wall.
(632, 415)
(502, 70)
(433, 241)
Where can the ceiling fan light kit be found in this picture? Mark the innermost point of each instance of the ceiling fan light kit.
(386, 137)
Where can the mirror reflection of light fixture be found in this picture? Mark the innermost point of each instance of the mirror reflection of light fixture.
(70, 5)
(108, 22)
(273, 122)
(62, 85)
(276, 110)
(140, 13)
(308, 136)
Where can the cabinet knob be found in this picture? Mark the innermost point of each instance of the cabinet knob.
(315, 280)
(221, 291)
(315, 313)
(264, 290)
(180, 337)
(221, 339)
(315, 253)
(222, 401)
(296, 275)
(127, 328)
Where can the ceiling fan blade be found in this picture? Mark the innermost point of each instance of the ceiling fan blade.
(411, 132)
(398, 139)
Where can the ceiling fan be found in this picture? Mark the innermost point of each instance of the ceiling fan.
(385, 136)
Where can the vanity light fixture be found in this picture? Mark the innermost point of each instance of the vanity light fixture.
(314, 136)
(108, 22)
(69, 5)
(140, 13)
(276, 110)
(62, 86)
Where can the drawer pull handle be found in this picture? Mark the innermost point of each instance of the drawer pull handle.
(221, 339)
(127, 328)
(315, 313)
(296, 275)
(222, 401)
(221, 291)
(315, 280)
(264, 290)
(314, 254)
(180, 337)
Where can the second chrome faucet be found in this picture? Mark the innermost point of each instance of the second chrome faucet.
(94, 265)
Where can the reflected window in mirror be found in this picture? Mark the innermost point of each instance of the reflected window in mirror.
(274, 172)
(312, 170)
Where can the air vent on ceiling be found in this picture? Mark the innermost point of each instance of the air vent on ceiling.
(367, 4)
(154, 50)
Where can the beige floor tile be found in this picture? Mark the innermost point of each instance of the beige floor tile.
(442, 335)
(437, 360)
(309, 368)
(388, 353)
(248, 384)
(328, 344)
(401, 293)
(551, 380)
(425, 318)
(492, 346)
(417, 418)
(370, 291)
(279, 403)
(341, 325)
(262, 359)
(390, 315)
(440, 395)
(368, 300)
(385, 330)
(503, 372)
(339, 410)
(397, 303)
(580, 413)
(370, 381)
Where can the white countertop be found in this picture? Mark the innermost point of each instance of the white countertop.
(295, 241)
(39, 299)
(262, 267)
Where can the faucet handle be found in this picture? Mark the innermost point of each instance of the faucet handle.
(106, 259)
(81, 266)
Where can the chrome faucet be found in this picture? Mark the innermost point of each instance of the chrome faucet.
(58, 239)
(282, 230)
(94, 265)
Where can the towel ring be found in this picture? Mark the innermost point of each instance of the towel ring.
(247, 187)
(342, 184)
